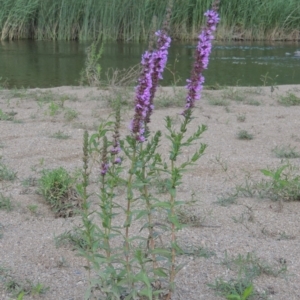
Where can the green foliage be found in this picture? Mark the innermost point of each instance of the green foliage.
(5, 203)
(244, 135)
(286, 152)
(53, 109)
(70, 114)
(6, 174)
(19, 289)
(132, 267)
(91, 73)
(289, 99)
(60, 135)
(282, 185)
(32, 208)
(6, 116)
(247, 267)
(74, 237)
(131, 19)
(56, 186)
(218, 101)
(241, 118)
(234, 289)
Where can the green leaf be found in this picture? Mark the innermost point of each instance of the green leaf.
(248, 292)
(160, 272)
(233, 297)
(267, 173)
(162, 204)
(174, 220)
(162, 252)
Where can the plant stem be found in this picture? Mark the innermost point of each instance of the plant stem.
(128, 209)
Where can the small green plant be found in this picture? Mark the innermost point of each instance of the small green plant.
(91, 74)
(5, 116)
(233, 94)
(5, 203)
(227, 200)
(74, 238)
(38, 289)
(53, 109)
(268, 80)
(6, 174)
(218, 101)
(19, 289)
(283, 185)
(60, 135)
(240, 289)
(196, 251)
(32, 208)
(187, 216)
(250, 266)
(244, 135)
(286, 152)
(241, 118)
(57, 187)
(252, 102)
(289, 99)
(70, 115)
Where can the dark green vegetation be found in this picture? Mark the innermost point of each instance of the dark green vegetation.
(56, 186)
(131, 19)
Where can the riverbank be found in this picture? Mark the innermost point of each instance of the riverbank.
(131, 20)
(231, 227)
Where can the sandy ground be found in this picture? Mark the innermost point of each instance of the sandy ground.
(267, 230)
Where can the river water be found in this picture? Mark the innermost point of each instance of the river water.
(58, 63)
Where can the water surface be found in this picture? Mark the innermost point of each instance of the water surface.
(57, 63)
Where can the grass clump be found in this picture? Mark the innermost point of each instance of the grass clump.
(5, 203)
(218, 101)
(244, 135)
(241, 118)
(233, 94)
(234, 289)
(286, 152)
(284, 184)
(289, 99)
(74, 238)
(6, 116)
(227, 200)
(91, 73)
(19, 289)
(247, 267)
(60, 135)
(71, 114)
(57, 187)
(6, 174)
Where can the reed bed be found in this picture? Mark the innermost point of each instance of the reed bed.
(131, 20)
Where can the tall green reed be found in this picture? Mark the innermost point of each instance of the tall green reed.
(131, 19)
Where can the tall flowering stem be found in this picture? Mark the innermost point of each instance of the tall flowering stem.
(203, 50)
(194, 87)
(153, 64)
(159, 58)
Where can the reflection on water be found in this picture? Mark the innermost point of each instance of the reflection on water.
(47, 63)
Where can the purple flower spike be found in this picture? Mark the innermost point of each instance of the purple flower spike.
(142, 98)
(104, 168)
(203, 50)
(160, 57)
(118, 160)
(115, 150)
(153, 65)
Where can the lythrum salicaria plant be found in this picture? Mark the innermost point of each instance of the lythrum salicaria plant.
(125, 254)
